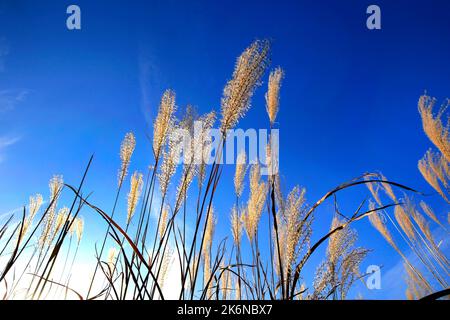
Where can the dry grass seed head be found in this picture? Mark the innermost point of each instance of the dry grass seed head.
(388, 189)
(236, 226)
(134, 194)
(273, 94)
(209, 231)
(425, 166)
(429, 212)
(404, 222)
(163, 222)
(126, 151)
(241, 168)
(378, 223)
(255, 204)
(33, 208)
(433, 126)
(164, 121)
(237, 93)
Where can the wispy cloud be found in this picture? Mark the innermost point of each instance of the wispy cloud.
(150, 85)
(7, 141)
(10, 98)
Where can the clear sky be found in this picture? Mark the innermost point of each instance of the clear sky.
(348, 100)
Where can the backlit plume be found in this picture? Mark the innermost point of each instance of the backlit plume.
(164, 121)
(250, 66)
(241, 168)
(273, 94)
(134, 194)
(56, 184)
(33, 208)
(126, 151)
(236, 226)
(255, 203)
(433, 126)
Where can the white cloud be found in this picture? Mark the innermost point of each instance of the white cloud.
(150, 85)
(5, 142)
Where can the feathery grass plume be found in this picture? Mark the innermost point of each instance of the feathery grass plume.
(223, 282)
(61, 218)
(424, 227)
(203, 144)
(408, 293)
(377, 222)
(164, 121)
(170, 161)
(373, 188)
(33, 208)
(298, 231)
(189, 171)
(209, 231)
(430, 177)
(419, 219)
(112, 255)
(206, 251)
(430, 213)
(241, 168)
(255, 204)
(79, 228)
(166, 262)
(134, 194)
(207, 273)
(250, 66)
(56, 184)
(269, 160)
(322, 278)
(423, 224)
(73, 227)
(229, 284)
(433, 126)
(236, 226)
(438, 165)
(404, 222)
(126, 151)
(189, 168)
(338, 241)
(427, 167)
(445, 167)
(163, 222)
(341, 268)
(273, 94)
(35, 205)
(193, 267)
(387, 188)
(416, 288)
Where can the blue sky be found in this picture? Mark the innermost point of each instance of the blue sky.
(348, 100)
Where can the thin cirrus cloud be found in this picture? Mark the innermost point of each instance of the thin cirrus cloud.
(9, 99)
(150, 85)
(5, 142)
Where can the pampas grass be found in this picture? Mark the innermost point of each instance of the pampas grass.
(268, 263)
